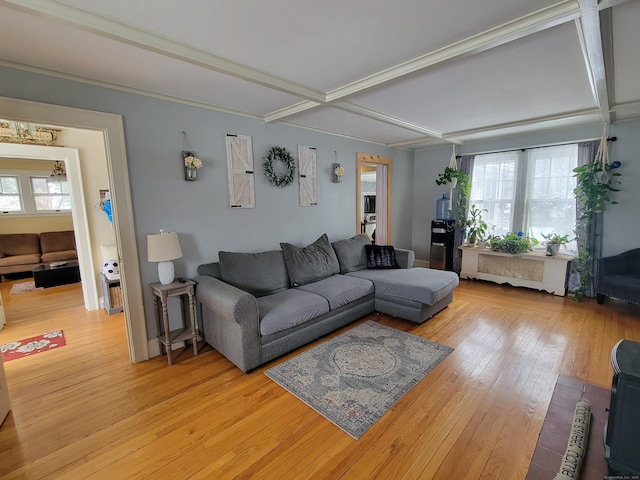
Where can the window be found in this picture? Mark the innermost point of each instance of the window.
(24, 192)
(50, 194)
(529, 191)
(10, 199)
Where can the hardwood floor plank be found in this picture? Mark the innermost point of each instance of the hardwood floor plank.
(84, 411)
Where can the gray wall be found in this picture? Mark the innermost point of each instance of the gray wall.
(199, 211)
(620, 221)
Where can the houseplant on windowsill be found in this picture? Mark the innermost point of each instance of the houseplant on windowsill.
(553, 241)
(475, 227)
(513, 243)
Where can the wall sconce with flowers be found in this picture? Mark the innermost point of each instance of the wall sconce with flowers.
(338, 170)
(191, 163)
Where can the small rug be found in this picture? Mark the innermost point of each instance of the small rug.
(354, 378)
(23, 288)
(33, 345)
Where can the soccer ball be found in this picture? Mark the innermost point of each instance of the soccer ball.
(110, 267)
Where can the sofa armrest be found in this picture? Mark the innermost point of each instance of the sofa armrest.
(405, 257)
(230, 321)
(622, 264)
(226, 301)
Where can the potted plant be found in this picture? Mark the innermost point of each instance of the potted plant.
(554, 242)
(475, 227)
(459, 180)
(513, 243)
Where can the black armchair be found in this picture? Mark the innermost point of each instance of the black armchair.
(619, 277)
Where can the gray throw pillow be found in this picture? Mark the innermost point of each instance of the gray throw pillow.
(260, 274)
(381, 256)
(351, 254)
(311, 263)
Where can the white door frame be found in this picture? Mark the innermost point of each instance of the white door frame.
(113, 133)
(71, 160)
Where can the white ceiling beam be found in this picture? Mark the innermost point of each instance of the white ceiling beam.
(544, 19)
(588, 26)
(388, 119)
(458, 136)
(121, 32)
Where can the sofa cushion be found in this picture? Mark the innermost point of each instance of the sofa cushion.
(259, 274)
(20, 244)
(59, 256)
(422, 285)
(287, 309)
(351, 253)
(28, 259)
(381, 256)
(340, 290)
(57, 241)
(311, 263)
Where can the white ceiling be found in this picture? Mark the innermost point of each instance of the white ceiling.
(407, 73)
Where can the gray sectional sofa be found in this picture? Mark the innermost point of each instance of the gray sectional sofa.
(258, 306)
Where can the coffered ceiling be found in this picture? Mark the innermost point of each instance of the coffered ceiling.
(408, 73)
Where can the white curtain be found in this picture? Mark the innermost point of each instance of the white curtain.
(381, 205)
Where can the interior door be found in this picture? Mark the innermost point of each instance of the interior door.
(5, 406)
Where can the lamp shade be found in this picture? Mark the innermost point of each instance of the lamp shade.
(163, 246)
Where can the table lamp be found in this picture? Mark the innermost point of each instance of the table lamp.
(163, 247)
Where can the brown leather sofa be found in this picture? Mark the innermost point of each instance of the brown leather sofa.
(22, 252)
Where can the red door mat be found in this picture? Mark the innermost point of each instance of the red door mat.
(33, 345)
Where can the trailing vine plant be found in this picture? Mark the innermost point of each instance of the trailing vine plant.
(463, 186)
(594, 184)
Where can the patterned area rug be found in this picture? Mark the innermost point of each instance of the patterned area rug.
(23, 288)
(33, 345)
(354, 378)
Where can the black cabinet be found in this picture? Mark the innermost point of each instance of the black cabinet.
(622, 433)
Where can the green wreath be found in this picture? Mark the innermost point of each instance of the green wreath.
(282, 155)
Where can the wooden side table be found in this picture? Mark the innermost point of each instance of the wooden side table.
(167, 338)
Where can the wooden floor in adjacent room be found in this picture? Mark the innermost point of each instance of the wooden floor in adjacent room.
(84, 411)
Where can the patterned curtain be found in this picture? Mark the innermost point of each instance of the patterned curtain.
(466, 166)
(592, 239)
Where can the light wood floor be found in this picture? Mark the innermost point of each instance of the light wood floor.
(84, 411)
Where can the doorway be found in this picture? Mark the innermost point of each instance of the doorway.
(112, 131)
(70, 159)
(373, 197)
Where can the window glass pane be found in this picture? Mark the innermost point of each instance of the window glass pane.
(50, 194)
(493, 189)
(551, 203)
(10, 194)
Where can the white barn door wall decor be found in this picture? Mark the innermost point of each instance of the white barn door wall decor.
(240, 168)
(307, 176)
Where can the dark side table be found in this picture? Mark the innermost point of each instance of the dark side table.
(48, 276)
(187, 332)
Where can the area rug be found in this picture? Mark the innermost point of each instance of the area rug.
(354, 378)
(33, 345)
(23, 288)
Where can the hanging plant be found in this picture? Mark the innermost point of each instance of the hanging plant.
(281, 155)
(594, 184)
(463, 186)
